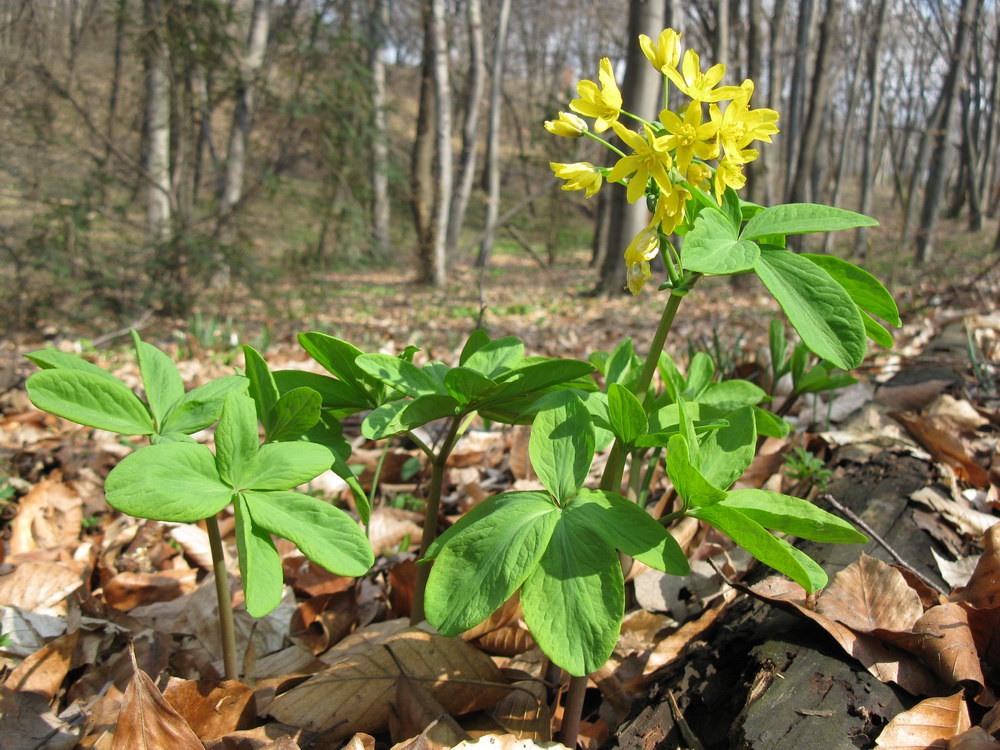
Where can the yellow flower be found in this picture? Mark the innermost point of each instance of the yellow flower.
(689, 137)
(642, 249)
(568, 125)
(603, 105)
(701, 86)
(739, 125)
(665, 52)
(699, 175)
(650, 157)
(579, 175)
(670, 206)
(730, 172)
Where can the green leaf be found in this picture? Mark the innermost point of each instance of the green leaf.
(399, 374)
(340, 358)
(623, 365)
(160, 379)
(467, 385)
(476, 341)
(626, 415)
(338, 396)
(779, 348)
(699, 377)
(712, 246)
(537, 376)
(627, 527)
(293, 414)
(90, 399)
(361, 501)
(793, 515)
(174, 481)
(282, 466)
(260, 564)
(495, 357)
(263, 389)
(731, 394)
(203, 405)
(236, 440)
(398, 417)
(726, 453)
(801, 218)
(384, 421)
(673, 382)
(877, 332)
(693, 488)
(770, 424)
(574, 600)
(50, 359)
(732, 207)
(756, 540)
(481, 561)
(821, 377)
(816, 575)
(561, 446)
(821, 311)
(329, 433)
(170, 437)
(324, 533)
(866, 291)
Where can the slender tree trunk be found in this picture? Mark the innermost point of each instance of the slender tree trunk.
(971, 187)
(640, 95)
(379, 21)
(846, 141)
(157, 157)
(756, 171)
(422, 160)
(937, 172)
(121, 13)
(250, 65)
(918, 172)
(492, 176)
(470, 125)
(775, 84)
(869, 168)
(444, 175)
(797, 96)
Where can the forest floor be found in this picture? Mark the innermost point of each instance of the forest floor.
(83, 588)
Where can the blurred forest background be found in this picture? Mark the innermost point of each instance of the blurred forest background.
(171, 155)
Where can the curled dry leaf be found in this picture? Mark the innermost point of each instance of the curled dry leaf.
(39, 587)
(944, 447)
(868, 595)
(507, 742)
(976, 738)
(389, 526)
(147, 720)
(49, 515)
(524, 711)
(965, 519)
(948, 646)
(129, 590)
(414, 713)
(322, 620)
(352, 695)
(213, 709)
(983, 590)
(44, 671)
(929, 724)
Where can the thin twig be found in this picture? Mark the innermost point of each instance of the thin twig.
(854, 518)
(689, 736)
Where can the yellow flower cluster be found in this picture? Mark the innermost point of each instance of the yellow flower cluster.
(668, 157)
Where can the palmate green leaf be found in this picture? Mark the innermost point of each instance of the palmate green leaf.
(759, 542)
(484, 558)
(296, 412)
(282, 466)
(400, 375)
(324, 533)
(236, 440)
(713, 246)
(574, 600)
(824, 315)
(174, 481)
(90, 399)
(561, 446)
(339, 397)
(160, 379)
(727, 452)
(693, 488)
(626, 416)
(340, 358)
(627, 527)
(793, 515)
(260, 564)
(866, 291)
(52, 359)
(802, 218)
(263, 389)
(495, 357)
(200, 407)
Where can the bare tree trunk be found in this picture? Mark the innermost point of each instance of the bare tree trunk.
(422, 160)
(442, 95)
(640, 95)
(971, 187)
(797, 96)
(757, 171)
(157, 157)
(250, 65)
(470, 126)
(846, 140)
(379, 21)
(721, 41)
(121, 13)
(937, 172)
(493, 138)
(869, 169)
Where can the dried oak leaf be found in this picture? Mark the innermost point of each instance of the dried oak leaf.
(44, 671)
(929, 724)
(983, 589)
(211, 708)
(869, 595)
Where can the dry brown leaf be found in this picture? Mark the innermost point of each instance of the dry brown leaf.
(973, 739)
(352, 695)
(984, 625)
(886, 663)
(991, 721)
(127, 590)
(524, 711)
(868, 595)
(147, 720)
(389, 526)
(507, 742)
(402, 585)
(44, 671)
(323, 620)
(929, 724)
(508, 640)
(912, 397)
(414, 711)
(944, 447)
(965, 519)
(360, 741)
(268, 737)
(27, 723)
(212, 709)
(364, 638)
(49, 515)
(506, 613)
(948, 412)
(983, 590)
(39, 587)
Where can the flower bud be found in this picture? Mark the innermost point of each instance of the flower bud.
(568, 125)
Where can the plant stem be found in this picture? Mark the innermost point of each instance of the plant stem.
(573, 711)
(226, 629)
(430, 516)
